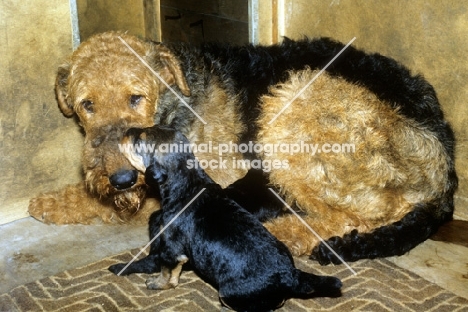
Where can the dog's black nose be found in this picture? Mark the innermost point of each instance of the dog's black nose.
(123, 179)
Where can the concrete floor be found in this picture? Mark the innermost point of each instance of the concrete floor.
(442, 263)
(32, 250)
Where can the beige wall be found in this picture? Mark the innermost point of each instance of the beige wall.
(39, 148)
(428, 36)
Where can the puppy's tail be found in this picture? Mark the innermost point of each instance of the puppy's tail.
(307, 284)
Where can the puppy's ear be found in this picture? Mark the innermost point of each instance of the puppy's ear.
(61, 91)
(155, 175)
(172, 71)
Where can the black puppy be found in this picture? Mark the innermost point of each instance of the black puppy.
(224, 243)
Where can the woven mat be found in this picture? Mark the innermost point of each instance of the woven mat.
(378, 286)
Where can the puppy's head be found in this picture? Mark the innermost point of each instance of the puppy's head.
(159, 152)
(109, 89)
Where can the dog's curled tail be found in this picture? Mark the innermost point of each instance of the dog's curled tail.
(307, 284)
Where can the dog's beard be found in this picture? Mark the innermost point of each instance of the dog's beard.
(129, 202)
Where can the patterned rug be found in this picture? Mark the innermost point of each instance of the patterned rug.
(378, 286)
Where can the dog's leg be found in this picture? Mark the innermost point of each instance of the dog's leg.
(151, 263)
(148, 265)
(73, 204)
(169, 278)
(171, 256)
(300, 240)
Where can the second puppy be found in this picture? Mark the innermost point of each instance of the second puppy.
(225, 244)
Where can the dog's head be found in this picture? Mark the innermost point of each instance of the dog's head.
(159, 152)
(110, 89)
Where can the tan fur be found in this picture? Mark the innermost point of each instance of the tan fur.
(221, 126)
(396, 163)
(168, 278)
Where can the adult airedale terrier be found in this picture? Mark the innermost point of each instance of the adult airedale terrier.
(382, 198)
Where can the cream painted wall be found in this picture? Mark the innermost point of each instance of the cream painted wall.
(39, 148)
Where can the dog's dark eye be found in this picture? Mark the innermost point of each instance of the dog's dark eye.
(88, 106)
(135, 100)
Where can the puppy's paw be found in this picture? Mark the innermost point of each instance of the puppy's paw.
(117, 269)
(158, 283)
(329, 286)
(149, 265)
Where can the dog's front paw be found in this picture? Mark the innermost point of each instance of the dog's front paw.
(71, 205)
(46, 208)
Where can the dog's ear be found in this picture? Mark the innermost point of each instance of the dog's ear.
(172, 71)
(61, 90)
